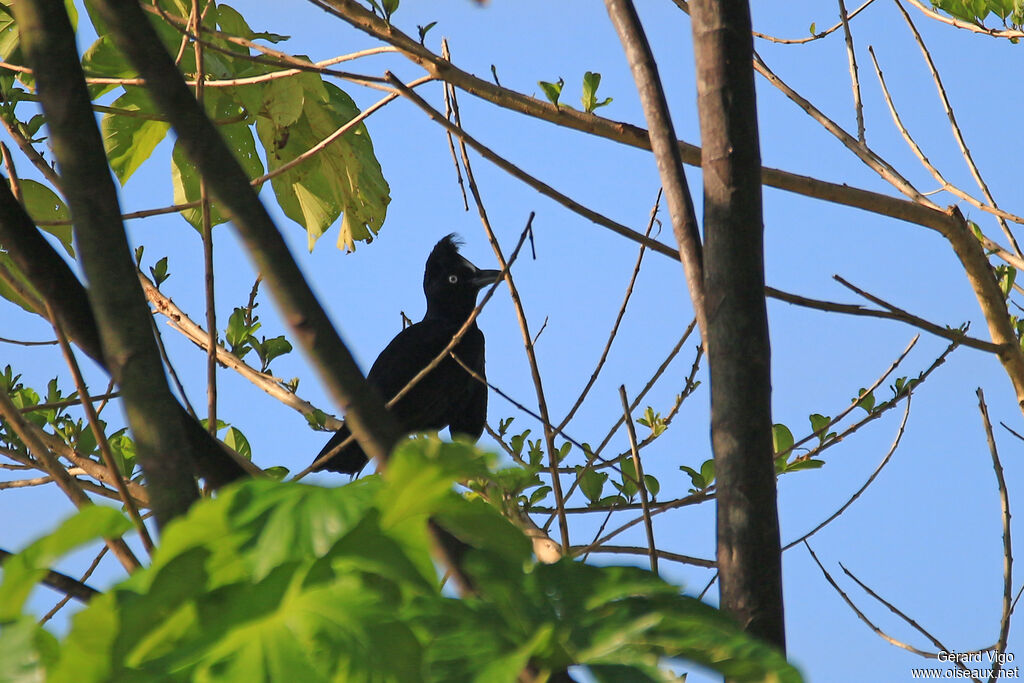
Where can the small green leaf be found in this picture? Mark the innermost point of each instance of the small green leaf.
(591, 81)
(707, 471)
(552, 90)
(1006, 275)
(813, 28)
(809, 464)
(782, 438)
(236, 441)
(159, 271)
(652, 484)
(866, 399)
(269, 349)
(316, 419)
(591, 482)
(277, 473)
(423, 30)
(504, 424)
(539, 495)
(563, 451)
(695, 477)
(517, 441)
(390, 7)
(43, 205)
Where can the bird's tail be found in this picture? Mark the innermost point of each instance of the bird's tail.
(348, 459)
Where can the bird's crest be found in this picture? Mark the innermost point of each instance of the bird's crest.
(445, 257)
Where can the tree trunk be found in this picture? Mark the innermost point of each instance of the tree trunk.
(749, 557)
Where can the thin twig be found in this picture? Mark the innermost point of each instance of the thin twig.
(905, 316)
(100, 436)
(69, 402)
(862, 616)
(633, 550)
(172, 372)
(524, 328)
(206, 230)
(857, 494)
(854, 80)
(641, 484)
(856, 401)
(817, 36)
(618, 318)
(964, 150)
(85, 577)
(1004, 502)
(449, 94)
(67, 484)
(895, 610)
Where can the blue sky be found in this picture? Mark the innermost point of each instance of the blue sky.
(926, 535)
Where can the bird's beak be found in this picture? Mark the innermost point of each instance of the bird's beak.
(482, 278)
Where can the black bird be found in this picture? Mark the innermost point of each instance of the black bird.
(448, 396)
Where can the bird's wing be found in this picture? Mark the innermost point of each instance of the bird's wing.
(428, 405)
(469, 415)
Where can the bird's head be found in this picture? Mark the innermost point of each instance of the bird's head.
(451, 282)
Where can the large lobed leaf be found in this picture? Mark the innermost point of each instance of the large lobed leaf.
(276, 581)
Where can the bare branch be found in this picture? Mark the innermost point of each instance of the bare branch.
(1004, 502)
(862, 489)
(641, 484)
(666, 150)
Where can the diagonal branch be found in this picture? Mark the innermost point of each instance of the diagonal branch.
(666, 150)
(117, 302)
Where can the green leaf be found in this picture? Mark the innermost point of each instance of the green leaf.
(423, 30)
(591, 482)
(9, 292)
(707, 471)
(269, 349)
(782, 438)
(25, 569)
(283, 99)
(809, 464)
(123, 448)
(26, 650)
(344, 178)
(813, 28)
(43, 204)
(696, 477)
(1006, 275)
(238, 136)
(316, 419)
(652, 484)
(159, 271)
(389, 7)
(517, 441)
(591, 81)
(564, 450)
(629, 479)
(130, 140)
(539, 495)
(423, 470)
(276, 473)
(552, 90)
(236, 441)
(866, 399)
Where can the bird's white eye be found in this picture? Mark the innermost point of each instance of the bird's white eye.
(453, 279)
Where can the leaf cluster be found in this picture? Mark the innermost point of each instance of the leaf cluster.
(274, 581)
